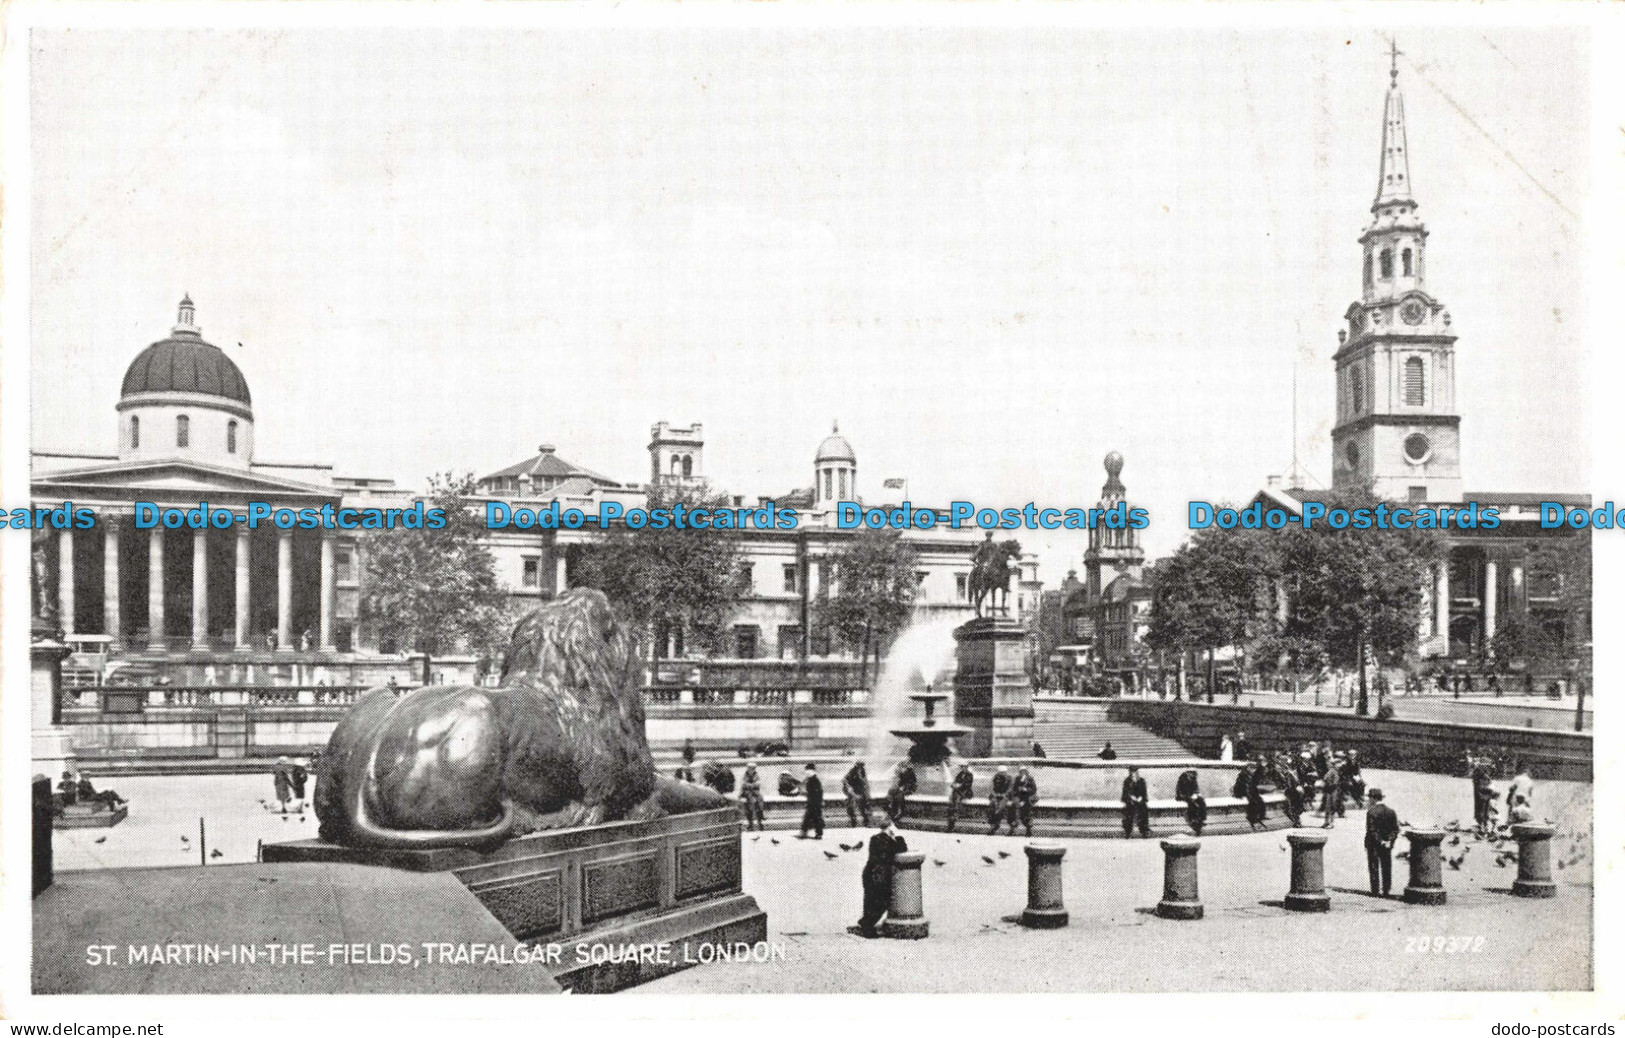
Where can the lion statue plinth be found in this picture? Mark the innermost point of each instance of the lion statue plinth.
(559, 743)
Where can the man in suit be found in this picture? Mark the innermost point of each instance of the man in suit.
(961, 790)
(1135, 804)
(1331, 794)
(855, 786)
(996, 797)
(750, 797)
(813, 817)
(884, 847)
(1381, 830)
(1024, 793)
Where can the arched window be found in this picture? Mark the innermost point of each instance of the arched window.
(1415, 382)
(1385, 262)
(1405, 262)
(1356, 391)
(676, 464)
(183, 431)
(231, 437)
(688, 465)
(135, 433)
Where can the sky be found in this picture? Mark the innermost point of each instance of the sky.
(992, 256)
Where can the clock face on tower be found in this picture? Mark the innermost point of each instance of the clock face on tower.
(1412, 312)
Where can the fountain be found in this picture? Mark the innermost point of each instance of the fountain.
(928, 740)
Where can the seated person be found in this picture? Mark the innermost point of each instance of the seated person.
(88, 795)
(789, 785)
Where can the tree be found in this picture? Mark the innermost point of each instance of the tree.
(1355, 594)
(687, 580)
(875, 585)
(435, 591)
(1209, 594)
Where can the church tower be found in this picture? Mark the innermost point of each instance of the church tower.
(1398, 432)
(1111, 553)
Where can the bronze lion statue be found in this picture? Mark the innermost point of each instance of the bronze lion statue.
(559, 743)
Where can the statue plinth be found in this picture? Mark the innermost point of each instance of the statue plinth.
(993, 696)
(51, 746)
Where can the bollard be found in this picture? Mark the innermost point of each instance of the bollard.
(1308, 893)
(1179, 892)
(1046, 909)
(1427, 876)
(1534, 860)
(906, 916)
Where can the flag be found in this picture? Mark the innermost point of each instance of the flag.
(895, 484)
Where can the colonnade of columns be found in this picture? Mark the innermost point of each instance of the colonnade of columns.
(112, 589)
(1439, 596)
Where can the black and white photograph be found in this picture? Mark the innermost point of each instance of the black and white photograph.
(771, 501)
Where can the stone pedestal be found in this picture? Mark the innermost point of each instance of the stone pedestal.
(1308, 893)
(906, 916)
(51, 747)
(1427, 876)
(1180, 897)
(1046, 908)
(992, 694)
(1534, 860)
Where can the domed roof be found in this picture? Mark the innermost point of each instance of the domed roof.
(835, 448)
(185, 363)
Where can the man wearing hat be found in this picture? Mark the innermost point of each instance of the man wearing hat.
(1381, 830)
(1136, 804)
(884, 847)
(813, 817)
(995, 798)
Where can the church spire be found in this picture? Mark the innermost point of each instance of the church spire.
(1394, 166)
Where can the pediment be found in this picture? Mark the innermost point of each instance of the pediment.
(173, 478)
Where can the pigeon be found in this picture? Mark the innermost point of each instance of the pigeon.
(1282, 846)
(939, 862)
(185, 839)
(831, 855)
(101, 839)
(990, 861)
(1454, 841)
(754, 839)
(1004, 854)
(284, 818)
(216, 853)
(1402, 855)
(773, 839)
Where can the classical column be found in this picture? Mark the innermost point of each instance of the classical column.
(64, 579)
(1441, 602)
(284, 590)
(326, 622)
(200, 589)
(1489, 601)
(155, 588)
(111, 625)
(243, 613)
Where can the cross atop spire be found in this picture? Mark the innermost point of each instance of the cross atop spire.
(1394, 167)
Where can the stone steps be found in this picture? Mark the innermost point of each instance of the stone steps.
(1080, 730)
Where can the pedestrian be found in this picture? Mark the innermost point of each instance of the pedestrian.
(1244, 748)
(1025, 794)
(1227, 748)
(1353, 781)
(1522, 788)
(1136, 804)
(995, 799)
(1038, 751)
(813, 817)
(1331, 795)
(884, 847)
(1483, 795)
(282, 781)
(904, 783)
(1189, 790)
(1381, 830)
(1292, 790)
(1106, 752)
(855, 787)
(961, 790)
(1247, 789)
(297, 777)
(750, 797)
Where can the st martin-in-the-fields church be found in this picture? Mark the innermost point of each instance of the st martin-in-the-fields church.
(1502, 592)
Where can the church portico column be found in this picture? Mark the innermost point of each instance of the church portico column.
(64, 579)
(1489, 600)
(325, 625)
(155, 588)
(1441, 602)
(200, 589)
(112, 625)
(284, 590)
(241, 616)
